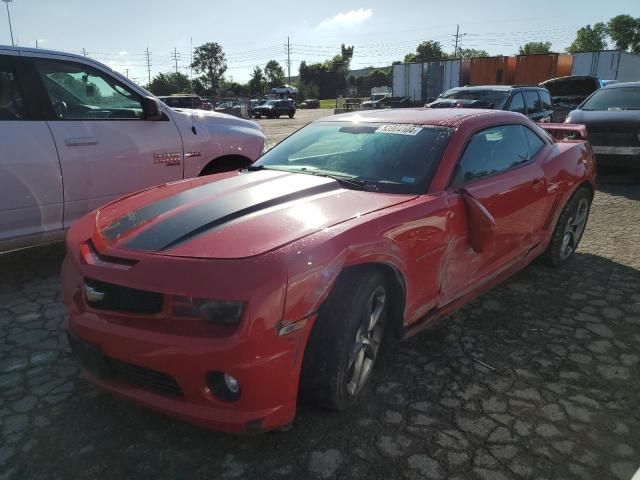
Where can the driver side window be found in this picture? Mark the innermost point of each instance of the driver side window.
(80, 92)
(492, 151)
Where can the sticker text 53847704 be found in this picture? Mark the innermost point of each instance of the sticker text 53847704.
(411, 130)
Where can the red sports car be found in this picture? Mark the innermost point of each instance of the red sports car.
(218, 299)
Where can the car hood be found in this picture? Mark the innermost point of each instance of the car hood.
(233, 215)
(213, 118)
(571, 88)
(591, 117)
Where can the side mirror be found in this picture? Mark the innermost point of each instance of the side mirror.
(151, 109)
(480, 222)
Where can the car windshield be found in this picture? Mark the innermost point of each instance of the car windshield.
(379, 157)
(495, 97)
(621, 98)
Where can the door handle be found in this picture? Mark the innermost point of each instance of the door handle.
(80, 141)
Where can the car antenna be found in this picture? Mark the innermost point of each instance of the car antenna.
(193, 120)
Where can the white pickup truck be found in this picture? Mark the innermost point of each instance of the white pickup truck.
(74, 134)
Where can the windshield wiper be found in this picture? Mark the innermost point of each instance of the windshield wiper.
(351, 183)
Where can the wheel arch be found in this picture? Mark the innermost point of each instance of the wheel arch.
(225, 163)
(397, 288)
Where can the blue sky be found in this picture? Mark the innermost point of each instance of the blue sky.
(117, 32)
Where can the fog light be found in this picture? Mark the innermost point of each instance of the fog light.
(231, 383)
(223, 386)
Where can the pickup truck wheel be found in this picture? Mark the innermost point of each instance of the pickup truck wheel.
(345, 340)
(569, 229)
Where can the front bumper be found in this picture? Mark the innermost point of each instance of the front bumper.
(268, 383)
(266, 365)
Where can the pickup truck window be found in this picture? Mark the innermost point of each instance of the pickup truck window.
(81, 92)
(11, 100)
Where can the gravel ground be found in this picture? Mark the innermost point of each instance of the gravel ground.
(537, 379)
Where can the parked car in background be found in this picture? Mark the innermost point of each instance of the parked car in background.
(375, 101)
(569, 92)
(185, 101)
(275, 108)
(534, 102)
(74, 135)
(285, 90)
(310, 103)
(249, 287)
(612, 117)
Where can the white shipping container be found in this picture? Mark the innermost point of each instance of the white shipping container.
(607, 65)
(400, 80)
(451, 74)
(415, 82)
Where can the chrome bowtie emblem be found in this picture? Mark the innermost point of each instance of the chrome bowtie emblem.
(93, 295)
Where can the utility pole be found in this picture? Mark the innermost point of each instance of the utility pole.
(127, 72)
(289, 60)
(455, 51)
(148, 57)
(84, 52)
(9, 17)
(36, 43)
(175, 57)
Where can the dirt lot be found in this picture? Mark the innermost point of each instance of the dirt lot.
(538, 379)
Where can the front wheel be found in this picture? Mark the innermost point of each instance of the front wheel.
(291, 115)
(569, 229)
(345, 340)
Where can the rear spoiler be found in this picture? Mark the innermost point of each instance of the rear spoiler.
(565, 131)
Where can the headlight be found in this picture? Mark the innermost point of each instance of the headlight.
(219, 312)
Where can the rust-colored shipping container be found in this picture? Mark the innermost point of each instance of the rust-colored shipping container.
(489, 71)
(534, 69)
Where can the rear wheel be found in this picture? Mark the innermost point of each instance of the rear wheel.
(291, 114)
(276, 114)
(345, 340)
(569, 229)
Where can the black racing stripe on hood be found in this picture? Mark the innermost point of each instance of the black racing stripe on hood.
(208, 215)
(138, 217)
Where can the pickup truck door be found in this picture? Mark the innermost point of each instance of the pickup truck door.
(30, 178)
(500, 175)
(106, 148)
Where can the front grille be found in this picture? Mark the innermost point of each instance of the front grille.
(613, 136)
(145, 378)
(116, 298)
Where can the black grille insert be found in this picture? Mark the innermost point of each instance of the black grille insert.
(115, 298)
(145, 378)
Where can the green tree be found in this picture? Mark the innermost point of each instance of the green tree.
(532, 48)
(210, 60)
(426, 52)
(274, 73)
(590, 39)
(624, 30)
(257, 81)
(169, 83)
(470, 53)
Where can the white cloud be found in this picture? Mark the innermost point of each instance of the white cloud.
(346, 19)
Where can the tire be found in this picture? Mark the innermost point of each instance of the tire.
(276, 114)
(291, 115)
(569, 229)
(342, 340)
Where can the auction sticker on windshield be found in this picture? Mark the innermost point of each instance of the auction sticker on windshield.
(411, 130)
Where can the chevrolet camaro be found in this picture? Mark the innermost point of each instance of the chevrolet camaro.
(221, 300)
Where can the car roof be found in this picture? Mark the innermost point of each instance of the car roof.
(622, 85)
(449, 117)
